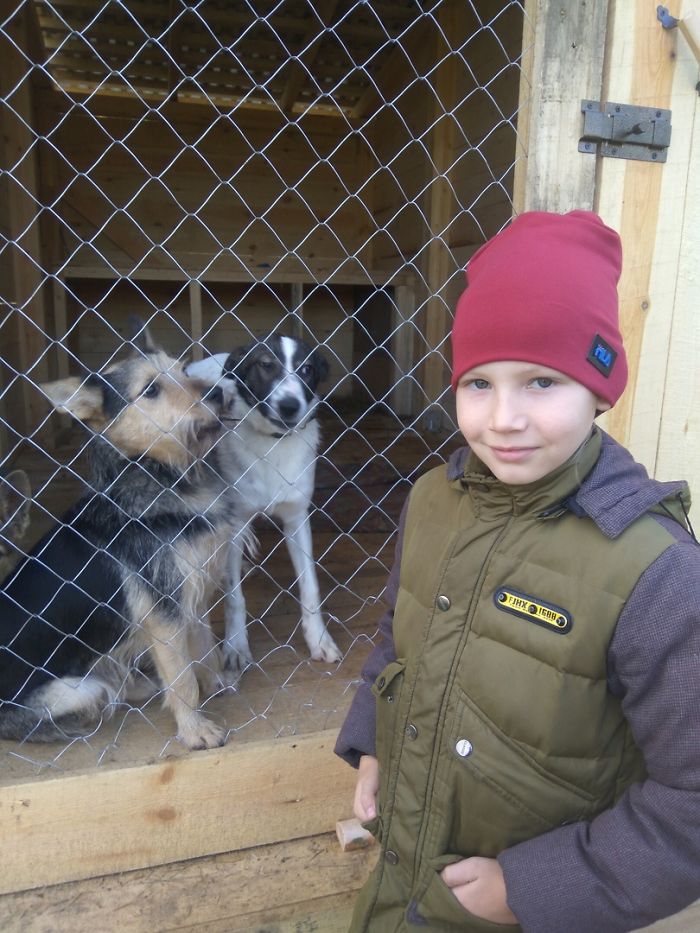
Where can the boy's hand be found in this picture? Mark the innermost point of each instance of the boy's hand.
(479, 886)
(366, 789)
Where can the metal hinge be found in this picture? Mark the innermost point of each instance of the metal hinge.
(623, 131)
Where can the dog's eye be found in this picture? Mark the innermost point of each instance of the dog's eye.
(306, 370)
(265, 364)
(152, 390)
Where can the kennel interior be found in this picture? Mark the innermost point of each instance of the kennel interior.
(228, 170)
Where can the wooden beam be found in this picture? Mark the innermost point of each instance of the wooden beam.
(90, 210)
(305, 884)
(207, 802)
(563, 66)
(296, 308)
(17, 147)
(321, 17)
(403, 332)
(440, 205)
(522, 140)
(391, 76)
(196, 327)
(653, 208)
(60, 317)
(175, 30)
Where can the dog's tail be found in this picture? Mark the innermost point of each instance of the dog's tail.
(60, 710)
(20, 723)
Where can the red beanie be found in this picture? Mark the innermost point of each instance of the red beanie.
(544, 290)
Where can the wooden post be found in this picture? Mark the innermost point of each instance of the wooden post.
(60, 317)
(22, 218)
(440, 211)
(563, 48)
(297, 309)
(196, 328)
(403, 332)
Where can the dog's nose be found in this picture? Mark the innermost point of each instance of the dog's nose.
(288, 407)
(215, 395)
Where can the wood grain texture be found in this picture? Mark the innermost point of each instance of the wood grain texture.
(565, 65)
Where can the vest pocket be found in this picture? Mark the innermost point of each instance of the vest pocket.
(440, 910)
(500, 796)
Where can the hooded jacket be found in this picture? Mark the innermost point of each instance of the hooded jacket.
(631, 853)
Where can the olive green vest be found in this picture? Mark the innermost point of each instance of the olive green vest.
(496, 723)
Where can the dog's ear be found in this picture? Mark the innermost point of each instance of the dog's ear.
(320, 364)
(240, 357)
(140, 336)
(81, 398)
(15, 499)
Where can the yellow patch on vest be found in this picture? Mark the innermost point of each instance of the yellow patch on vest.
(535, 610)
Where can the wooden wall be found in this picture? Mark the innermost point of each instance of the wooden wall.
(657, 210)
(622, 54)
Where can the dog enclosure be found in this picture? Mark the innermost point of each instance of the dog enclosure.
(226, 171)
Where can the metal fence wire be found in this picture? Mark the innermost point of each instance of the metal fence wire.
(227, 172)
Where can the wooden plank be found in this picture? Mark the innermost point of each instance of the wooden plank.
(687, 921)
(308, 49)
(402, 349)
(566, 66)
(678, 453)
(391, 78)
(306, 884)
(440, 208)
(303, 885)
(641, 71)
(23, 197)
(196, 330)
(522, 142)
(347, 273)
(214, 801)
(60, 318)
(296, 308)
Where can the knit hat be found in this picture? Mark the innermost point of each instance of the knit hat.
(544, 291)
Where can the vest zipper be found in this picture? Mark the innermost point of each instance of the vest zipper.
(447, 693)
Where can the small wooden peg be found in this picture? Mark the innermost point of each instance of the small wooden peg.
(352, 835)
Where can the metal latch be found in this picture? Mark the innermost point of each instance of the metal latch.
(623, 131)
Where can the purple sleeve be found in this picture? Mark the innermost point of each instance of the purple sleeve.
(639, 861)
(358, 732)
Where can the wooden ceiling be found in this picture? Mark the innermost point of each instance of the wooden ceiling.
(295, 56)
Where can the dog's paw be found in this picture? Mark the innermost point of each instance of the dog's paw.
(210, 682)
(237, 657)
(324, 649)
(210, 674)
(202, 733)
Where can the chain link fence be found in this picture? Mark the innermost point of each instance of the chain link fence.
(229, 171)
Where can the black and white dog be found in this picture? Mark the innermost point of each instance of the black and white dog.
(270, 457)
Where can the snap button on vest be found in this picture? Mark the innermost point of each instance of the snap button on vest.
(411, 732)
(464, 748)
(443, 603)
(391, 857)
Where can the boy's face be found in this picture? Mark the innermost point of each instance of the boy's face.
(523, 420)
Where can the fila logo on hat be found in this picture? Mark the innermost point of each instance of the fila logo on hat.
(602, 356)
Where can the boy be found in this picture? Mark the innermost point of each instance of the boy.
(536, 761)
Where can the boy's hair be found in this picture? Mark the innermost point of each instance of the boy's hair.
(544, 291)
